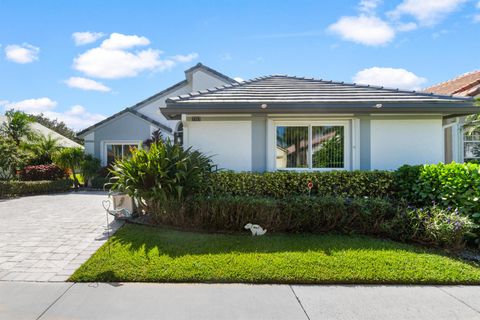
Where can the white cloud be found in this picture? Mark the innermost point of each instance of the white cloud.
(24, 53)
(35, 105)
(86, 84)
(426, 12)
(185, 58)
(476, 18)
(123, 41)
(112, 60)
(390, 78)
(77, 117)
(404, 27)
(81, 38)
(367, 30)
(238, 79)
(369, 6)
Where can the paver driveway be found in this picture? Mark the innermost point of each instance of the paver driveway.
(47, 237)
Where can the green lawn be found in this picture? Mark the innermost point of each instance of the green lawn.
(162, 255)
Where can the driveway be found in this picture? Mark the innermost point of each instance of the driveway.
(47, 237)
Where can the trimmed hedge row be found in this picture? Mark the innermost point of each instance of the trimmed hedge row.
(20, 188)
(368, 216)
(286, 184)
(42, 172)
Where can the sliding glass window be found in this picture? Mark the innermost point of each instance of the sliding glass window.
(310, 147)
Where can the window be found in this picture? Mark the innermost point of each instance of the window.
(471, 147)
(118, 151)
(310, 147)
(178, 135)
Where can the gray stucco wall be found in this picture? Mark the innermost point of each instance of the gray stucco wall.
(125, 127)
(259, 144)
(365, 162)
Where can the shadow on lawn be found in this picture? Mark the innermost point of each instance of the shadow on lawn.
(178, 243)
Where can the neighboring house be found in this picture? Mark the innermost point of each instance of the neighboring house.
(460, 147)
(44, 131)
(290, 123)
(112, 138)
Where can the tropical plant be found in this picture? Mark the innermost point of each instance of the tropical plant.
(89, 168)
(17, 126)
(154, 138)
(12, 158)
(42, 149)
(71, 159)
(165, 171)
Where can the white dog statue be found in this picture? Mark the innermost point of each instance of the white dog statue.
(255, 229)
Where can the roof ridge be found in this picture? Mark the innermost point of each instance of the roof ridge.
(211, 70)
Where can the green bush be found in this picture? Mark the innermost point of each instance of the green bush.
(164, 171)
(20, 188)
(283, 184)
(100, 183)
(369, 216)
(449, 186)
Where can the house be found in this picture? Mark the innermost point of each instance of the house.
(283, 122)
(459, 146)
(112, 138)
(44, 131)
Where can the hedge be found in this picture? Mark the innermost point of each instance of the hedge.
(42, 172)
(368, 216)
(20, 188)
(283, 184)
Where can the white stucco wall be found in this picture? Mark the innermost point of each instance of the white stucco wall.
(398, 142)
(228, 142)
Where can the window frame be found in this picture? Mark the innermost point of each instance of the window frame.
(337, 123)
(123, 143)
(464, 142)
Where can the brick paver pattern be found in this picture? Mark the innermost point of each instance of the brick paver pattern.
(47, 237)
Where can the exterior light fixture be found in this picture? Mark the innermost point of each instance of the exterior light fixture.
(378, 105)
(263, 106)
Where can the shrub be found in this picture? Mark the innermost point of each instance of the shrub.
(451, 185)
(297, 214)
(165, 171)
(283, 184)
(20, 188)
(42, 172)
(99, 183)
(432, 225)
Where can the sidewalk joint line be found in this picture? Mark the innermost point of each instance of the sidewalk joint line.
(299, 302)
(458, 299)
(55, 301)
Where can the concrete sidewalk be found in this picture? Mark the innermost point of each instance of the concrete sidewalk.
(22, 300)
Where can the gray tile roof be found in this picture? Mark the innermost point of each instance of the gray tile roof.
(288, 94)
(288, 89)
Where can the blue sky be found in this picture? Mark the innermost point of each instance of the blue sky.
(80, 61)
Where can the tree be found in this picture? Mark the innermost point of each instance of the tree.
(89, 167)
(12, 158)
(43, 149)
(58, 126)
(71, 159)
(17, 126)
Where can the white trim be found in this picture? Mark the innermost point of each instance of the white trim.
(272, 150)
(104, 143)
(355, 144)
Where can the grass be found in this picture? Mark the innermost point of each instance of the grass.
(141, 254)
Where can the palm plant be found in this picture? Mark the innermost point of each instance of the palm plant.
(71, 159)
(43, 149)
(17, 126)
(163, 172)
